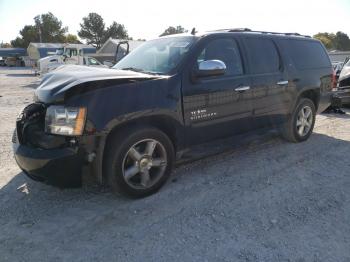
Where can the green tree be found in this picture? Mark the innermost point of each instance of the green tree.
(92, 29)
(327, 39)
(18, 42)
(341, 41)
(174, 30)
(72, 39)
(28, 34)
(47, 28)
(115, 30)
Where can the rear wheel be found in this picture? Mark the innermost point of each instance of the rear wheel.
(300, 124)
(139, 162)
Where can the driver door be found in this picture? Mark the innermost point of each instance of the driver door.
(217, 106)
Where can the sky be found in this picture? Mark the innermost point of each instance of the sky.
(149, 18)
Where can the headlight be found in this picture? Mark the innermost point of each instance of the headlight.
(62, 120)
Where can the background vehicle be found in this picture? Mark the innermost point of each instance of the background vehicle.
(337, 67)
(128, 125)
(342, 96)
(14, 61)
(68, 56)
(344, 76)
(2, 61)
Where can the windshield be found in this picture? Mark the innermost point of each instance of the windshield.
(158, 56)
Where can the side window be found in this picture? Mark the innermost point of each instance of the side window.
(262, 56)
(225, 50)
(307, 54)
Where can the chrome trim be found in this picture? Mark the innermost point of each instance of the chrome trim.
(282, 83)
(209, 65)
(242, 88)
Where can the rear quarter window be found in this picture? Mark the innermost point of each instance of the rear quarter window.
(307, 54)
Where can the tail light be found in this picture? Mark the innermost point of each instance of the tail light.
(334, 81)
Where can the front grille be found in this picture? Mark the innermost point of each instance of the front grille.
(33, 114)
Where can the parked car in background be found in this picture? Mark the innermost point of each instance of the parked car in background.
(2, 61)
(342, 96)
(337, 67)
(129, 124)
(344, 76)
(67, 56)
(14, 61)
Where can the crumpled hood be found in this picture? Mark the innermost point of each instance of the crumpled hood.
(55, 84)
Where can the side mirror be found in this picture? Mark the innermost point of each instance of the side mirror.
(211, 68)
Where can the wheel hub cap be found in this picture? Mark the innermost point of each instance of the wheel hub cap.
(145, 163)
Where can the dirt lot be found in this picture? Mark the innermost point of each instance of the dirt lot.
(266, 201)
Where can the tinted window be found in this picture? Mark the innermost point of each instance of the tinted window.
(262, 55)
(307, 54)
(225, 50)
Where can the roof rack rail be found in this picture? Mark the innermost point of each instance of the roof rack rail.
(264, 32)
(240, 30)
(231, 30)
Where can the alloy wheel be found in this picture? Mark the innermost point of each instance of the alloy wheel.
(144, 164)
(304, 121)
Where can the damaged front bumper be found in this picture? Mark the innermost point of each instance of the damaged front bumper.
(59, 167)
(52, 159)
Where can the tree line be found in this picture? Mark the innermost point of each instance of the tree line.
(47, 28)
(338, 41)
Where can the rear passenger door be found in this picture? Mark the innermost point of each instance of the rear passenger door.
(269, 80)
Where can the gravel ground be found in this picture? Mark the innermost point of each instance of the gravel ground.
(267, 201)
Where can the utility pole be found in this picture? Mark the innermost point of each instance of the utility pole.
(38, 25)
(40, 34)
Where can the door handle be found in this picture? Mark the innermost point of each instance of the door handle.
(242, 88)
(282, 83)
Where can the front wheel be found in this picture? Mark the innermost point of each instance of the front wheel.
(300, 124)
(139, 162)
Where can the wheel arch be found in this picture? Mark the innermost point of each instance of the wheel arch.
(169, 126)
(312, 94)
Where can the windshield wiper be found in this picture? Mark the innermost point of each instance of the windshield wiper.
(140, 70)
(132, 69)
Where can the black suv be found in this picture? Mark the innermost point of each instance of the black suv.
(128, 124)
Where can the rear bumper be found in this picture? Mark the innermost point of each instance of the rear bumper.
(341, 97)
(59, 167)
(325, 101)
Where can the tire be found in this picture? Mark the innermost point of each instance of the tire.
(291, 130)
(133, 172)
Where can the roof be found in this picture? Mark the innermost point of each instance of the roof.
(239, 31)
(60, 45)
(45, 48)
(249, 31)
(132, 45)
(13, 52)
(46, 45)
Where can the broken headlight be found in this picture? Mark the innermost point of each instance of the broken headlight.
(62, 120)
